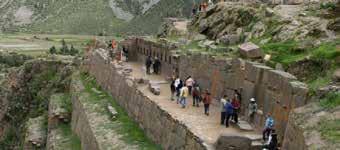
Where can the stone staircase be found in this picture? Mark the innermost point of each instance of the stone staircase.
(245, 128)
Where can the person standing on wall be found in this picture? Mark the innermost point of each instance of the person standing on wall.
(148, 64)
(207, 101)
(229, 112)
(184, 95)
(268, 127)
(252, 109)
(190, 82)
(156, 65)
(236, 106)
(223, 111)
(196, 92)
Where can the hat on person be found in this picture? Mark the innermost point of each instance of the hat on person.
(252, 99)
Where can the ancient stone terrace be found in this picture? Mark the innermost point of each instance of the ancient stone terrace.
(162, 119)
(166, 123)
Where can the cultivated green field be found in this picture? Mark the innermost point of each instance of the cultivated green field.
(39, 44)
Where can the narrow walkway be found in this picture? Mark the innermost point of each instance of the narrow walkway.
(208, 128)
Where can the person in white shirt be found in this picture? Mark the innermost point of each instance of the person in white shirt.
(190, 82)
(223, 102)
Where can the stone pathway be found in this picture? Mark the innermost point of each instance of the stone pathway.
(207, 128)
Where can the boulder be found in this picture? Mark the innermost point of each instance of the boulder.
(233, 142)
(154, 88)
(334, 25)
(208, 43)
(336, 75)
(250, 50)
(113, 112)
(230, 39)
(199, 37)
(279, 66)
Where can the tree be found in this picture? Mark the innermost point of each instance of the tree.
(64, 48)
(53, 50)
(73, 51)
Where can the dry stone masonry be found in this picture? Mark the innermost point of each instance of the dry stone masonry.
(275, 91)
(36, 134)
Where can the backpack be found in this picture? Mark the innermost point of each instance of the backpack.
(228, 108)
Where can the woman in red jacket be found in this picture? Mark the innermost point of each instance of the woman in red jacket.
(207, 101)
(236, 106)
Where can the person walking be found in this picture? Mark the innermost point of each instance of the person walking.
(207, 101)
(156, 65)
(190, 82)
(236, 106)
(184, 95)
(148, 64)
(229, 112)
(172, 88)
(223, 111)
(178, 86)
(252, 109)
(268, 127)
(196, 92)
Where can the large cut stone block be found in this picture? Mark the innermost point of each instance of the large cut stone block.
(234, 142)
(250, 50)
(276, 79)
(300, 93)
(155, 87)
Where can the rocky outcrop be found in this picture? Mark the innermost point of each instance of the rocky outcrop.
(28, 89)
(173, 27)
(281, 23)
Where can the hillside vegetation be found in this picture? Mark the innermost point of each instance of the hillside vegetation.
(88, 16)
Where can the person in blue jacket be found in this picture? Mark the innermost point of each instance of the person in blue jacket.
(268, 126)
(229, 112)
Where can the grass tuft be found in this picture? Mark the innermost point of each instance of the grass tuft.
(330, 130)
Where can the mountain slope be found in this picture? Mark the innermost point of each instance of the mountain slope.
(87, 16)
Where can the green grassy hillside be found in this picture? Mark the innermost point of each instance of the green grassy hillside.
(86, 16)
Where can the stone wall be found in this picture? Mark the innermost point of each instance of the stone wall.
(276, 92)
(139, 49)
(308, 126)
(158, 124)
(80, 123)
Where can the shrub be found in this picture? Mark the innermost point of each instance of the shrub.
(53, 50)
(328, 5)
(331, 100)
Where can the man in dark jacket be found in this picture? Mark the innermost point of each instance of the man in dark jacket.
(156, 65)
(148, 64)
(173, 88)
(229, 112)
